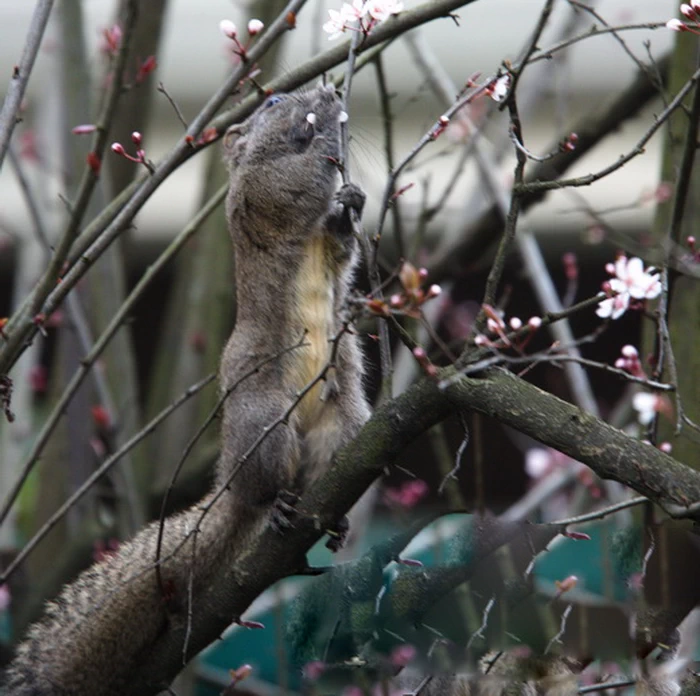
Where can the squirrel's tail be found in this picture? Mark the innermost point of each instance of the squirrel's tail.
(102, 627)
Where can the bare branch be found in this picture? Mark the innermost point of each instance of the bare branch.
(9, 116)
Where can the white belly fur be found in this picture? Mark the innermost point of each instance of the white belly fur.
(314, 309)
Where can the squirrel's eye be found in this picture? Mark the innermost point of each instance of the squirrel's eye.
(271, 101)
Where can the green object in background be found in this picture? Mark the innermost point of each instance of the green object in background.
(601, 579)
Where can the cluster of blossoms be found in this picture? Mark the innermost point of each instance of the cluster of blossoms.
(367, 13)
(629, 362)
(140, 158)
(631, 281)
(411, 298)
(230, 31)
(692, 13)
(496, 326)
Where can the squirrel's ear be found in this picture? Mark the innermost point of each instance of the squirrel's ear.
(233, 134)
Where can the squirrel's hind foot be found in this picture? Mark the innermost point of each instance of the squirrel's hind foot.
(338, 534)
(284, 511)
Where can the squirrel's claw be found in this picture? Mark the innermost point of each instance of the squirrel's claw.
(284, 511)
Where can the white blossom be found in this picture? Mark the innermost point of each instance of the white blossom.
(381, 10)
(631, 281)
(335, 26)
(255, 26)
(646, 405)
(613, 307)
(227, 28)
(500, 87)
(632, 278)
(675, 25)
(356, 11)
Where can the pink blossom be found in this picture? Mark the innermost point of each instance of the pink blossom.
(228, 28)
(313, 670)
(381, 10)
(495, 323)
(630, 362)
(111, 40)
(407, 495)
(676, 25)
(255, 26)
(687, 11)
(84, 129)
(402, 655)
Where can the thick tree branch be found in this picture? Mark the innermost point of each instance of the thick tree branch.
(270, 556)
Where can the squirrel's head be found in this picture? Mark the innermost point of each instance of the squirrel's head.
(284, 157)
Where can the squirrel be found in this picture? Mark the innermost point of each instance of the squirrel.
(295, 255)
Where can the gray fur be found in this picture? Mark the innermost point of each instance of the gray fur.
(281, 204)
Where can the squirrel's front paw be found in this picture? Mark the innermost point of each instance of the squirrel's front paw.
(352, 197)
(284, 511)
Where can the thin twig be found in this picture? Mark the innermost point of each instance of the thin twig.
(21, 327)
(9, 116)
(101, 471)
(370, 258)
(193, 441)
(388, 124)
(531, 48)
(102, 342)
(604, 686)
(562, 627)
(638, 149)
(615, 33)
(546, 54)
(173, 103)
(602, 512)
(452, 474)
